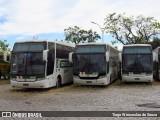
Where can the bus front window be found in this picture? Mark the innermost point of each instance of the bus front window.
(137, 62)
(34, 64)
(89, 63)
(18, 64)
(27, 64)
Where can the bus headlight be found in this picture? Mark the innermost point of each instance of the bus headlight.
(39, 79)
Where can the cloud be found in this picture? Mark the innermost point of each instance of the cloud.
(31, 17)
(28, 16)
(136, 7)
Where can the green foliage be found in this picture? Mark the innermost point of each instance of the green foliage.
(4, 66)
(4, 45)
(131, 30)
(77, 35)
(155, 43)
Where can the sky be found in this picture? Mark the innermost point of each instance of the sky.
(20, 20)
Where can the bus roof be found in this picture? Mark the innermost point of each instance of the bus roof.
(93, 43)
(59, 42)
(136, 45)
(157, 50)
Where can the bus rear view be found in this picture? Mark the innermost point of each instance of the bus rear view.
(137, 63)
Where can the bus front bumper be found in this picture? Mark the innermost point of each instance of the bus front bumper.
(137, 78)
(100, 81)
(37, 84)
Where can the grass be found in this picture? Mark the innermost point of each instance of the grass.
(2, 81)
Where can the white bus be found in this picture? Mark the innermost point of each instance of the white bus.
(137, 63)
(40, 64)
(157, 63)
(94, 64)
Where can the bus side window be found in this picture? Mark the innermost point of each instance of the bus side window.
(50, 64)
(57, 63)
(65, 64)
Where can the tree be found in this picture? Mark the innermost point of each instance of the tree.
(4, 45)
(77, 35)
(155, 43)
(4, 66)
(92, 36)
(131, 30)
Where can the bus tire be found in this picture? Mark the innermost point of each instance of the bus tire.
(110, 79)
(0, 74)
(59, 82)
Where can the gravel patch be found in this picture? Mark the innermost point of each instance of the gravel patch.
(117, 96)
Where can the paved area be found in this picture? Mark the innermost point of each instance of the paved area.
(115, 97)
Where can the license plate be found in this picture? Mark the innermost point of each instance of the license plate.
(25, 84)
(137, 78)
(88, 81)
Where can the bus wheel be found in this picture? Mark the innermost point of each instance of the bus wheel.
(59, 83)
(0, 74)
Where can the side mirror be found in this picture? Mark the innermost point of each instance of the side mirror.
(155, 57)
(120, 57)
(5, 55)
(70, 57)
(107, 57)
(45, 55)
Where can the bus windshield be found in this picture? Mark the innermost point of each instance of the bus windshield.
(90, 49)
(137, 59)
(137, 50)
(89, 63)
(29, 46)
(30, 63)
(137, 62)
